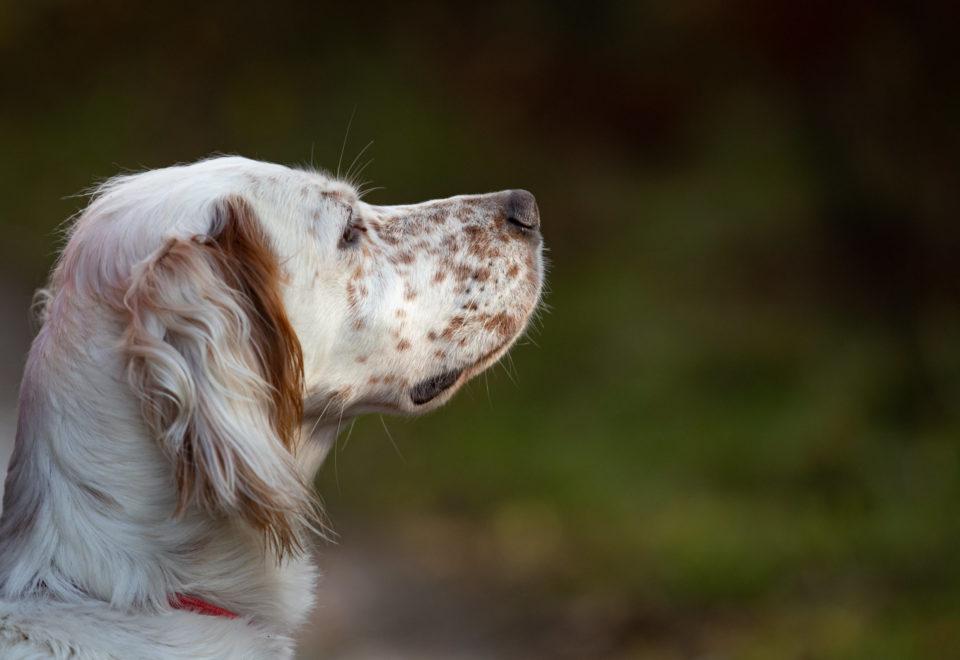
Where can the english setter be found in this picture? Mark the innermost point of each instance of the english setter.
(157, 503)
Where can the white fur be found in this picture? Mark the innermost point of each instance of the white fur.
(90, 548)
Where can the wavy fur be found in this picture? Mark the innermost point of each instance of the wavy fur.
(196, 315)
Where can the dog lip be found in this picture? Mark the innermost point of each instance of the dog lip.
(430, 388)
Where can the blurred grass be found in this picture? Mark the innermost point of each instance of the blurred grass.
(696, 444)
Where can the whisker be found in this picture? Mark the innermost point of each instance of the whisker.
(336, 439)
(313, 429)
(324, 411)
(346, 440)
(336, 466)
(346, 135)
(506, 370)
(363, 193)
(396, 448)
(363, 167)
(355, 159)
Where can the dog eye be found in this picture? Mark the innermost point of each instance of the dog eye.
(351, 233)
(349, 236)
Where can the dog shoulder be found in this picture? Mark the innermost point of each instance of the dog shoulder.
(35, 630)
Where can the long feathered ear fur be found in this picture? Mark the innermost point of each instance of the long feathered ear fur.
(218, 371)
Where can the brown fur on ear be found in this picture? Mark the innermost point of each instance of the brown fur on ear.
(251, 267)
(218, 370)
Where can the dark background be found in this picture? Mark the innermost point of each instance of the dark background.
(733, 435)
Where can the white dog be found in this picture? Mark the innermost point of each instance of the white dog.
(157, 502)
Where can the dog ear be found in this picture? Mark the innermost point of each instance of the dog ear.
(218, 371)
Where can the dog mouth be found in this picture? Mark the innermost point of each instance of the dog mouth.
(429, 389)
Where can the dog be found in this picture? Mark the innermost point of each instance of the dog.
(157, 503)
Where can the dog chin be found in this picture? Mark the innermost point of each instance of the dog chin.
(434, 391)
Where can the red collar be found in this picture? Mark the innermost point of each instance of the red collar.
(200, 606)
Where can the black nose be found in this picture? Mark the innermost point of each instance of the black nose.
(522, 213)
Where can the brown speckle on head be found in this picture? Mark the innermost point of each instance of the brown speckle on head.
(531, 270)
(400, 313)
(409, 293)
(389, 239)
(361, 359)
(480, 243)
(450, 243)
(455, 324)
(403, 258)
(439, 276)
(462, 272)
(403, 345)
(503, 324)
(352, 299)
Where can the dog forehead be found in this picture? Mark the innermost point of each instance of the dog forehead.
(297, 186)
(286, 198)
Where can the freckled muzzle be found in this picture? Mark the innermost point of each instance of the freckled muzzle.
(498, 240)
(429, 389)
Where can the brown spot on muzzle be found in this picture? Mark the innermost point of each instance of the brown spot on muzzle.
(462, 272)
(503, 324)
(455, 324)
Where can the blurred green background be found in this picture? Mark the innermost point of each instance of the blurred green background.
(734, 432)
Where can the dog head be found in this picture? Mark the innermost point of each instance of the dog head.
(249, 293)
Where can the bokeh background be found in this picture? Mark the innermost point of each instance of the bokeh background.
(735, 432)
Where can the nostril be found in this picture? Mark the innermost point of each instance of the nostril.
(521, 210)
(522, 225)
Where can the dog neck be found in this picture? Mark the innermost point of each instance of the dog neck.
(89, 502)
